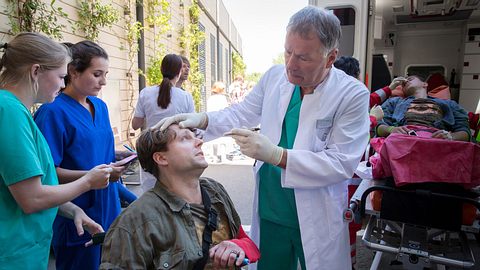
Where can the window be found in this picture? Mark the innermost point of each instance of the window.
(202, 68)
(213, 58)
(220, 62)
(201, 54)
(347, 21)
(227, 67)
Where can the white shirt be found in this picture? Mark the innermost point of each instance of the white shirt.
(147, 107)
(216, 102)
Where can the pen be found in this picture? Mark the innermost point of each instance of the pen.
(129, 149)
(254, 129)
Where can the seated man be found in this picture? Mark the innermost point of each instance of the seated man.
(168, 227)
(421, 110)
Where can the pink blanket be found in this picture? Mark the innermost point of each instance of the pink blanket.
(419, 159)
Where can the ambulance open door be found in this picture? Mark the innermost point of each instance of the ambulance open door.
(356, 39)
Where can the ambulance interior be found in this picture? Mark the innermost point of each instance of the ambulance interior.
(420, 37)
(416, 37)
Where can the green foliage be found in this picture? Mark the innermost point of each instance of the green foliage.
(190, 39)
(280, 59)
(133, 30)
(238, 66)
(154, 72)
(93, 16)
(158, 15)
(36, 16)
(254, 77)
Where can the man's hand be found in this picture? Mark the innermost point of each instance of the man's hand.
(98, 176)
(256, 145)
(396, 82)
(377, 112)
(81, 221)
(401, 130)
(226, 254)
(398, 92)
(184, 120)
(442, 134)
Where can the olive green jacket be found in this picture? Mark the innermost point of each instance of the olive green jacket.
(157, 231)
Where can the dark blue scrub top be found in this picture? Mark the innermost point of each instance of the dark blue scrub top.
(80, 142)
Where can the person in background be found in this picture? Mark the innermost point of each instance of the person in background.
(184, 73)
(32, 69)
(301, 187)
(417, 108)
(438, 87)
(236, 89)
(185, 221)
(349, 65)
(218, 99)
(77, 129)
(160, 101)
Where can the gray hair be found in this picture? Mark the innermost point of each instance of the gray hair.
(319, 21)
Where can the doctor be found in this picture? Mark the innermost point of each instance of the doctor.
(300, 176)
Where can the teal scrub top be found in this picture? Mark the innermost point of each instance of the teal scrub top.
(277, 204)
(25, 238)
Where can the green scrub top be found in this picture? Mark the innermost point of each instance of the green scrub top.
(277, 204)
(25, 238)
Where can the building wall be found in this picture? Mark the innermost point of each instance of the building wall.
(120, 98)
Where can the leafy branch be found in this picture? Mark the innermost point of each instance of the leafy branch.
(93, 16)
(191, 37)
(36, 16)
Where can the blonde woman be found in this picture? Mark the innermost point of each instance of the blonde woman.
(32, 71)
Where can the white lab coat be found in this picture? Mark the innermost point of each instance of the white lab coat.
(331, 138)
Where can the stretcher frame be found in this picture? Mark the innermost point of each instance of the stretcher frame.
(415, 247)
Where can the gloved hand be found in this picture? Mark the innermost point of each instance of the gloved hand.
(256, 145)
(184, 120)
(396, 82)
(377, 112)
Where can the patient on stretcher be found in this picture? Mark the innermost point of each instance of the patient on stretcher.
(418, 109)
(439, 154)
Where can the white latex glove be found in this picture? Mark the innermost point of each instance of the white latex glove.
(256, 145)
(377, 112)
(396, 82)
(184, 120)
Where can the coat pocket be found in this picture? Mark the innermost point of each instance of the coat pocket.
(322, 130)
(335, 221)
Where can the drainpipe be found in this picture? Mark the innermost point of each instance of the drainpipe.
(219, 54)
(141, 46)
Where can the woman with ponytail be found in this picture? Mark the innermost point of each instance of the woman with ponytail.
(160, 101)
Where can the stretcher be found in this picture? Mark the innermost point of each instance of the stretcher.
(419, 236)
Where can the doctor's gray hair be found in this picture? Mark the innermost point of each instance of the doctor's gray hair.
(324, 24)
